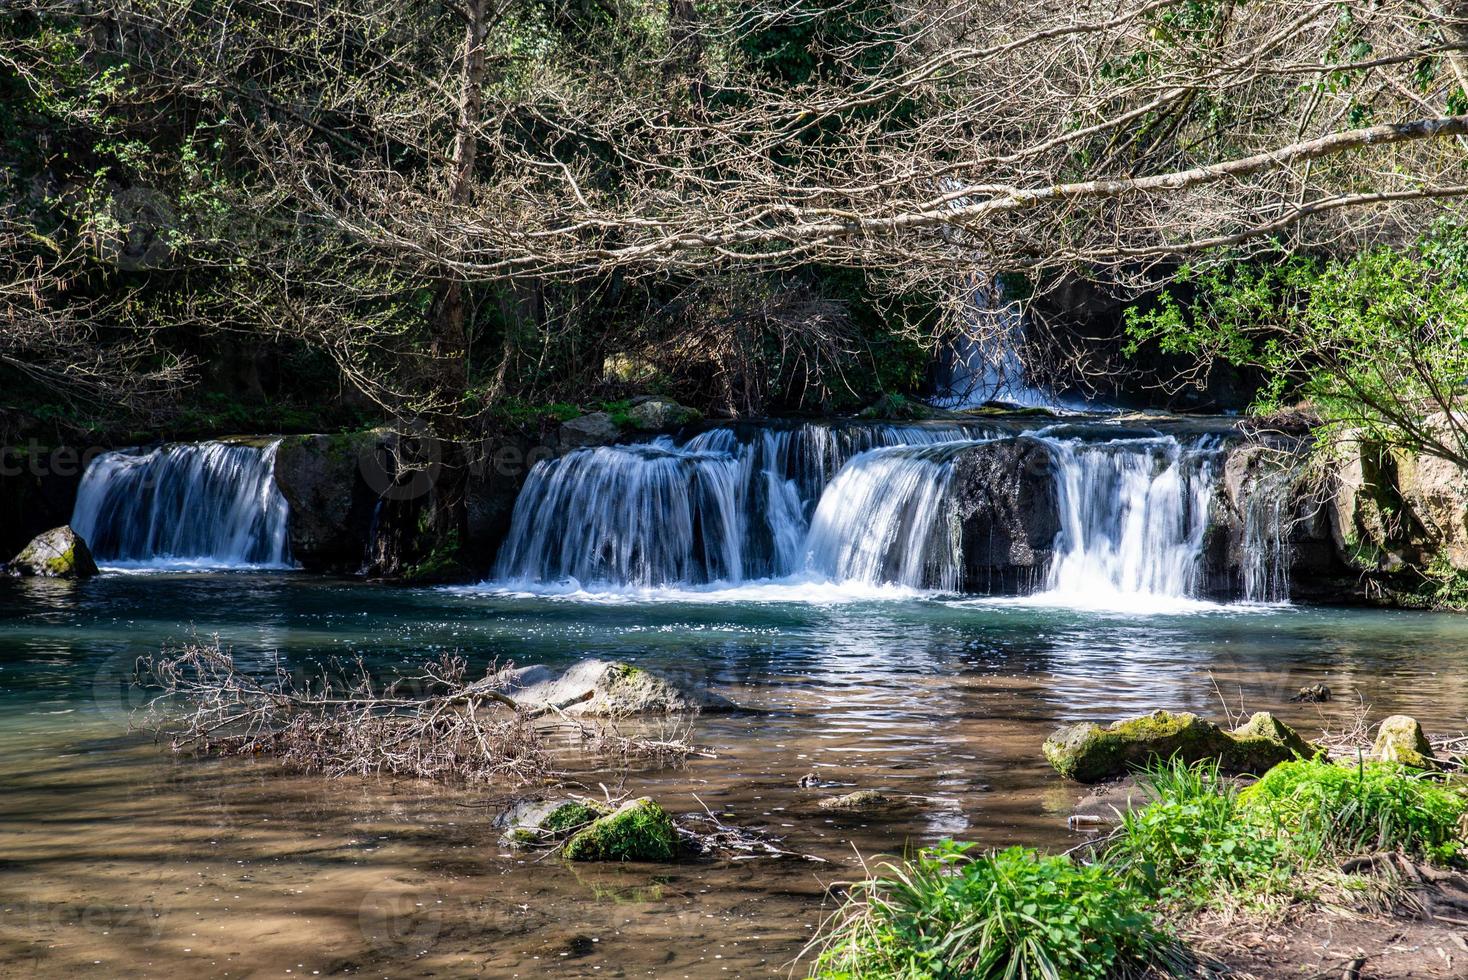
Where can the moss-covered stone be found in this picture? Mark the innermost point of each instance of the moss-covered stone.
(1400, 739)
(58, 553)
(639, 830)
(1264, 741)
(531, 822)
(1089, 753)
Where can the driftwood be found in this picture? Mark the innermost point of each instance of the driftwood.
(434, 723)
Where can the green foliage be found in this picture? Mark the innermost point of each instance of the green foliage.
(1193, 842)
(1367, 808)
(951, 912)
(1374, 343)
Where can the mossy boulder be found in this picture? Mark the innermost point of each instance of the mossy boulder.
(58, 553)
(528, 823)
(1264, 741)
(1400, 739)
(639, 830)
(862, 799)
(1089, 753)
(660, 414)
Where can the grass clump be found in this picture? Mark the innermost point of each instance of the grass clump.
(1195, 842)
(1369, 807)
(951, 913)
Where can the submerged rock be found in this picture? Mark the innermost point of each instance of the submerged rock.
(1313, 694)
(602, 688)
(862, 799)
(1401, 739)
(58, 553)
(1089, 753)
(530, 822)
(595, 429)
(639, 830)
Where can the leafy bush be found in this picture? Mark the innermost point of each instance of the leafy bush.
(952, 913)
(1369, 807)
(1193, 842)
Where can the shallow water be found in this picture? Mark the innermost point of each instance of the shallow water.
(118, 859)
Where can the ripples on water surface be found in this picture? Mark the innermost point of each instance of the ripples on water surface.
(115, 853)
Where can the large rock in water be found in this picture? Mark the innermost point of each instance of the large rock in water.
(1089, 753)
(58, 553)
(1005, 500)
(602, 688)
(325, 479)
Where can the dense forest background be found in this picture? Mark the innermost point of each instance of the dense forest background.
(475, 214)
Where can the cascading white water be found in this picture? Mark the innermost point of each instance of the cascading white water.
(205, 504)
(713, 508)
(1133, 513)
(885, 520)
(1266, 552)
(984, 364)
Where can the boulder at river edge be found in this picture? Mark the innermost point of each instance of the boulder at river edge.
(58, 553)
(660, 414)
(1401, 739)
(602, 688)
(1089, 753)
(595, 429)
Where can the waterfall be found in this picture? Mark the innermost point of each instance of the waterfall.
(885, 520)
(1133, 513)
(713, 508)
(206, 504)
(1265, 547)
(984, 364)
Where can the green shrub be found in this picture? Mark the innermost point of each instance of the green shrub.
(1369, 807)
(1193, 843)
(949, 913)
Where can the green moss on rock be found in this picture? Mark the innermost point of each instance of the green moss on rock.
(1089, 753)
(639, 830)
(1400, 739)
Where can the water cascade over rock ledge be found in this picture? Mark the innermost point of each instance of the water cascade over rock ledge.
(211, 504)
(1084, 512)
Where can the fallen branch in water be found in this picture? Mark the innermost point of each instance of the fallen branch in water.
(432, 724)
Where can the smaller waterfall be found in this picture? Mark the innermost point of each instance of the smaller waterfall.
(885, 520)
(1265, 546)
(985, 362)
(207, 504)
(1133, 513)
(649, 514)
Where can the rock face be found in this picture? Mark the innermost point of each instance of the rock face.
(1009, 516)
(58, 553)
(1089, 753)
(660, 414)
(639, 830)
(596, 429)
(601, 688)
(325, 479)
(1401, 739)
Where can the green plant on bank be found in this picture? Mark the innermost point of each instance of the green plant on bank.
(951, 912)
(1194, 842)
(1198, 843)
(1366, 808)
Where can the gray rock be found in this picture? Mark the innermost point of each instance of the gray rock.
(596, 429)
(526, 823)
(57, 553)
(1401, 739)
(862, 799)
(659, 414)
(602, 688)
(1005, 501)
(322, 477)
